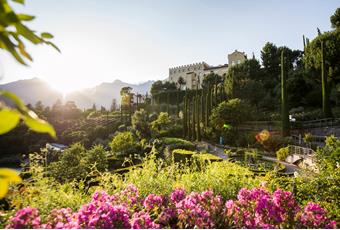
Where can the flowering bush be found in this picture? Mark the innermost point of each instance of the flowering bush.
(256, 208)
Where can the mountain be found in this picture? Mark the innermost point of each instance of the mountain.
(103, 94)
(35, 89)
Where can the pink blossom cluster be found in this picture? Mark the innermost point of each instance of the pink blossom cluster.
(256, 208)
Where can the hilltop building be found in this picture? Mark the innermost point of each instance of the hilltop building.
(194, 74)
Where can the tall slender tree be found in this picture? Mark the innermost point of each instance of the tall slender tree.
(284, 104)
(193, 118)
(185, 116)
(325, 92)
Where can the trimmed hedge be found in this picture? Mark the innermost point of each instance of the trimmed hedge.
(178, 143)
(182, 155)
(206, 157)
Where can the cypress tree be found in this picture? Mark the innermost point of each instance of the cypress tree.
(188, 118)
(284, 105)
(185, 117)
(208, 104)
(198, 103)
(177, 102)
(216, 88)
(325, 94)
(168, 103)
(304, 42)
(202, 106)
(206, 108)
(193, 118)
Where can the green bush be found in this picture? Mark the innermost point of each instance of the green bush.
(207, 158)
(282, 153)
(140, 124)
(124, 144)
(274, 143)
(177, 143)
(76, 162)
(182, 155)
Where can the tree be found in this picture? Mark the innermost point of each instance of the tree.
(335, 19)
(232, 112)
(140, 123)
(284, 104)
(162, 124)
(124, 144)
(181, 82)
(322, 55)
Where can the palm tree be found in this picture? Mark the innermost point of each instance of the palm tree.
(181, 82)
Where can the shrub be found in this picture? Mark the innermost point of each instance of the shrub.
(76, 162)
(182, 155)
(274, 143)
(207, 158)
(178, 143)
(124, 144)
(282, 153)
(162, 125)
(140, 124)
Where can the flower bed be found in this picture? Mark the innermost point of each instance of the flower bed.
(256, 208)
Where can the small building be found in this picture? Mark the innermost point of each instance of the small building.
(55, 147)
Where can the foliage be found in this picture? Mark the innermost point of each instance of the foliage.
(7, 177)
(335, 19)
(282, 153)
(182, 155)
(329, 156)
(46, 194)
(159, 86)
(322, 187)
(76, 162)
(10, 117)
(275, 142)
(178, 143)
(233, 112)
(124, 144)
(162, 125)
(140, 123)
(13, 31)
(256, 208)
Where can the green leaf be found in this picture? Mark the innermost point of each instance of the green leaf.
(25, 17)
(46, 35)
(19, 1)
(54, 46)
(4, 184)
(9, 118)
(10, 175)
(39, 125)
(17, 101)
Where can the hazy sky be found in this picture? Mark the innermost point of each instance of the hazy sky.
(138, 40)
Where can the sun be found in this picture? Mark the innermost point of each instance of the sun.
(64, 86)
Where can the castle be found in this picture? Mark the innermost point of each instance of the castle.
(194, 74)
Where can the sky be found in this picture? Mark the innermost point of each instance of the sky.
(138, 40)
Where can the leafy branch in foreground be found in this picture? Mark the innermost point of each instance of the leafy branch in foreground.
(10, 117)
(13, 32)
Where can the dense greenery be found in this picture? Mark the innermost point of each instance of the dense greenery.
(170, 145)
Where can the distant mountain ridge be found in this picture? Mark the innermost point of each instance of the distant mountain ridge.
(35, 89)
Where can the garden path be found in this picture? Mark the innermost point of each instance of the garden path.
(219, 151)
